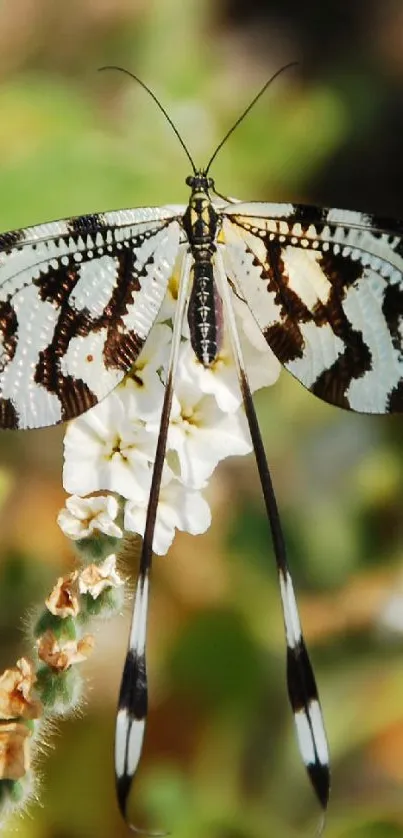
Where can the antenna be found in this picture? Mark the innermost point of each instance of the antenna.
(246, 111)
(158, 103)
(173, 126)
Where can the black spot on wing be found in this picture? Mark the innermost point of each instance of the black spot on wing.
(285, 340)
(284, 337)
(75, 396)
(8, 414)
(341, 271)
(300, 678)
(290, 304)
(122, 347)
(392, 310)
(356, 359)
(381, 224)
(395, 399)
(133, 690)
(320, 778)
(332, 385)
(82, 224)
(307, 215)
(8, 332)
(56, 284)
(9, 240)
(123, 785)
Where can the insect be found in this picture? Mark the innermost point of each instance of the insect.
(78, 299)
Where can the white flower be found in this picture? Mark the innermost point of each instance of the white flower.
(112, 447)
(247, 324)
(82, 517)
(168, 308)
(220, 379)
(95, 578)
(105, 449)
(178, 508)
(145, 390)
(202, 435)
(262, 366)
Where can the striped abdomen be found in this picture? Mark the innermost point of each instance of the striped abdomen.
(205, 313)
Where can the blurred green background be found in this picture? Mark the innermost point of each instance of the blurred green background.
(220, 758)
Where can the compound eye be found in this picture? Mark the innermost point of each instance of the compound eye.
(210, 183)
(189, 180)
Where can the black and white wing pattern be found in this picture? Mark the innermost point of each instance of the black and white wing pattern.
(326, 289)
(77, 301)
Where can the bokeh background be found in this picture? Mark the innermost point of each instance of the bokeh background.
(220, 757)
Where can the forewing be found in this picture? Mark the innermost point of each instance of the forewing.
(77, 301)
(326, 289)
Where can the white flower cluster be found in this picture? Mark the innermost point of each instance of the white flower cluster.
(111, 448)
(108, 461)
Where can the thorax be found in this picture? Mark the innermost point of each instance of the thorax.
(200, 222)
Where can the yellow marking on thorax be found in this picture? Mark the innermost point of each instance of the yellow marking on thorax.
(194, 216)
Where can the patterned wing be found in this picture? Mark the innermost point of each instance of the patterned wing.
(77, 301)
(326, 289)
